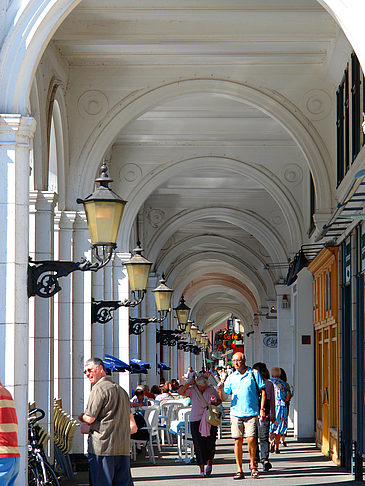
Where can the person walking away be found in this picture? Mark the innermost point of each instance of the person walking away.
(9, 452)
(204, 435)
(279, 427)
(262, 452)
(109, 417)
(287, 403)
(246, 406)
(190, 375)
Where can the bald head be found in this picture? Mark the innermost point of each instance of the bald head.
(239, 362)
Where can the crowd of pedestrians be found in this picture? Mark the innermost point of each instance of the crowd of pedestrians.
(259, 412)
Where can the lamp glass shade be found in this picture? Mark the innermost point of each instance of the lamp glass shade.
(188, 326)
(103, 219)
(163, 296)
(104, 210)
(138, 269)
(199, 336)
(182, 312)
(193, 331)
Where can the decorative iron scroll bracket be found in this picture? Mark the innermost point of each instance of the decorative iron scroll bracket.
(101, 310)
(43, 275)
(136, 324)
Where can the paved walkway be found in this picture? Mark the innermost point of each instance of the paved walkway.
(298, 464)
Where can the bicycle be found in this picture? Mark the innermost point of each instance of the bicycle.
(40, 471)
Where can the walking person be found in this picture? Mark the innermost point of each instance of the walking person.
(287, 403)
(279, 427)
(246, 406)
(108, 415)
(262, 452)
(204, 435)
(9, 452)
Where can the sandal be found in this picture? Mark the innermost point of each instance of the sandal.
(208, 470)
(254, 472)
(239, 475)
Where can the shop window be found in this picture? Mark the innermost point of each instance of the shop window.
(350, 103)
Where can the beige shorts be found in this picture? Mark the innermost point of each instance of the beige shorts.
(243, 427)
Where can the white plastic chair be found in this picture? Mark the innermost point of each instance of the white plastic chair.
(168, 413)
(151, 418)
(184, 438)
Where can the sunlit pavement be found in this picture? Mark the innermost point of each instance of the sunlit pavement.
(299, 463)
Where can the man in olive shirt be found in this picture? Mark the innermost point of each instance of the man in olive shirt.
(108, 414)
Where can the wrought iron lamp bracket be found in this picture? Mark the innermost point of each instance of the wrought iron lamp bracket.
(43, 275)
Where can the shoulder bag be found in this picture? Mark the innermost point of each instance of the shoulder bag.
(214, 413)
(267, 401)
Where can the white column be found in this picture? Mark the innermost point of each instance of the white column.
(98, 329)
(81, 325)
(302, 405)
(41, 344)
(64, 250)
(121, 318)
(149, 336)
(285, 330)
(16, 133)
(108, 295)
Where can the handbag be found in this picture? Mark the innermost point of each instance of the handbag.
(214, 413)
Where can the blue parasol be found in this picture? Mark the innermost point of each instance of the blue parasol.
(163, 366)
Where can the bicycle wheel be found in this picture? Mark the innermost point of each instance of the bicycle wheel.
(32, 474)
(51, 479)
(36, 475)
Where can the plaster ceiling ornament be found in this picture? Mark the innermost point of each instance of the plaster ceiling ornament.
(277, 218)
(317, 103)
(155, 217)
(92, 103)
(293, 173)
(130, 172)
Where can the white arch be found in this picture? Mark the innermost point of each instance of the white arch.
(287, 203)
(246, 220)
(229, 246)
(31, 28)
(274, 105)
(215, 310)
(193, 272)
(182, 273)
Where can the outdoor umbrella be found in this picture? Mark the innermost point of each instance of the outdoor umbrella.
(163, 366)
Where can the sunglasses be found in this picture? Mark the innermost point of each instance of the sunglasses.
(89, 370)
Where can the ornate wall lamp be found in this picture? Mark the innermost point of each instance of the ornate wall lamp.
(104, 210)
(162, 295)
(182, 312)
(138, 270)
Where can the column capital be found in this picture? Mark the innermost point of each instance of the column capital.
(65, 219)
(121, 257)
(43, 200)
(16, 128)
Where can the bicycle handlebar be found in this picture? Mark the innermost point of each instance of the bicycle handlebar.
(33, 420)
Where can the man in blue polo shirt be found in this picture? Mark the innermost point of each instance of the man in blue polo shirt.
(246, 406)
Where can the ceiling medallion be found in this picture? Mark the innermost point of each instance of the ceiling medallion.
(92, 103)
(293, 173)
(155, 217)
(130, 172)
(317, 103)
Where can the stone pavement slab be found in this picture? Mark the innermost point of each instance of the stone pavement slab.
(297, 464)
(300, 463)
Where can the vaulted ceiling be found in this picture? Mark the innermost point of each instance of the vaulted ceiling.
(235, 198)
